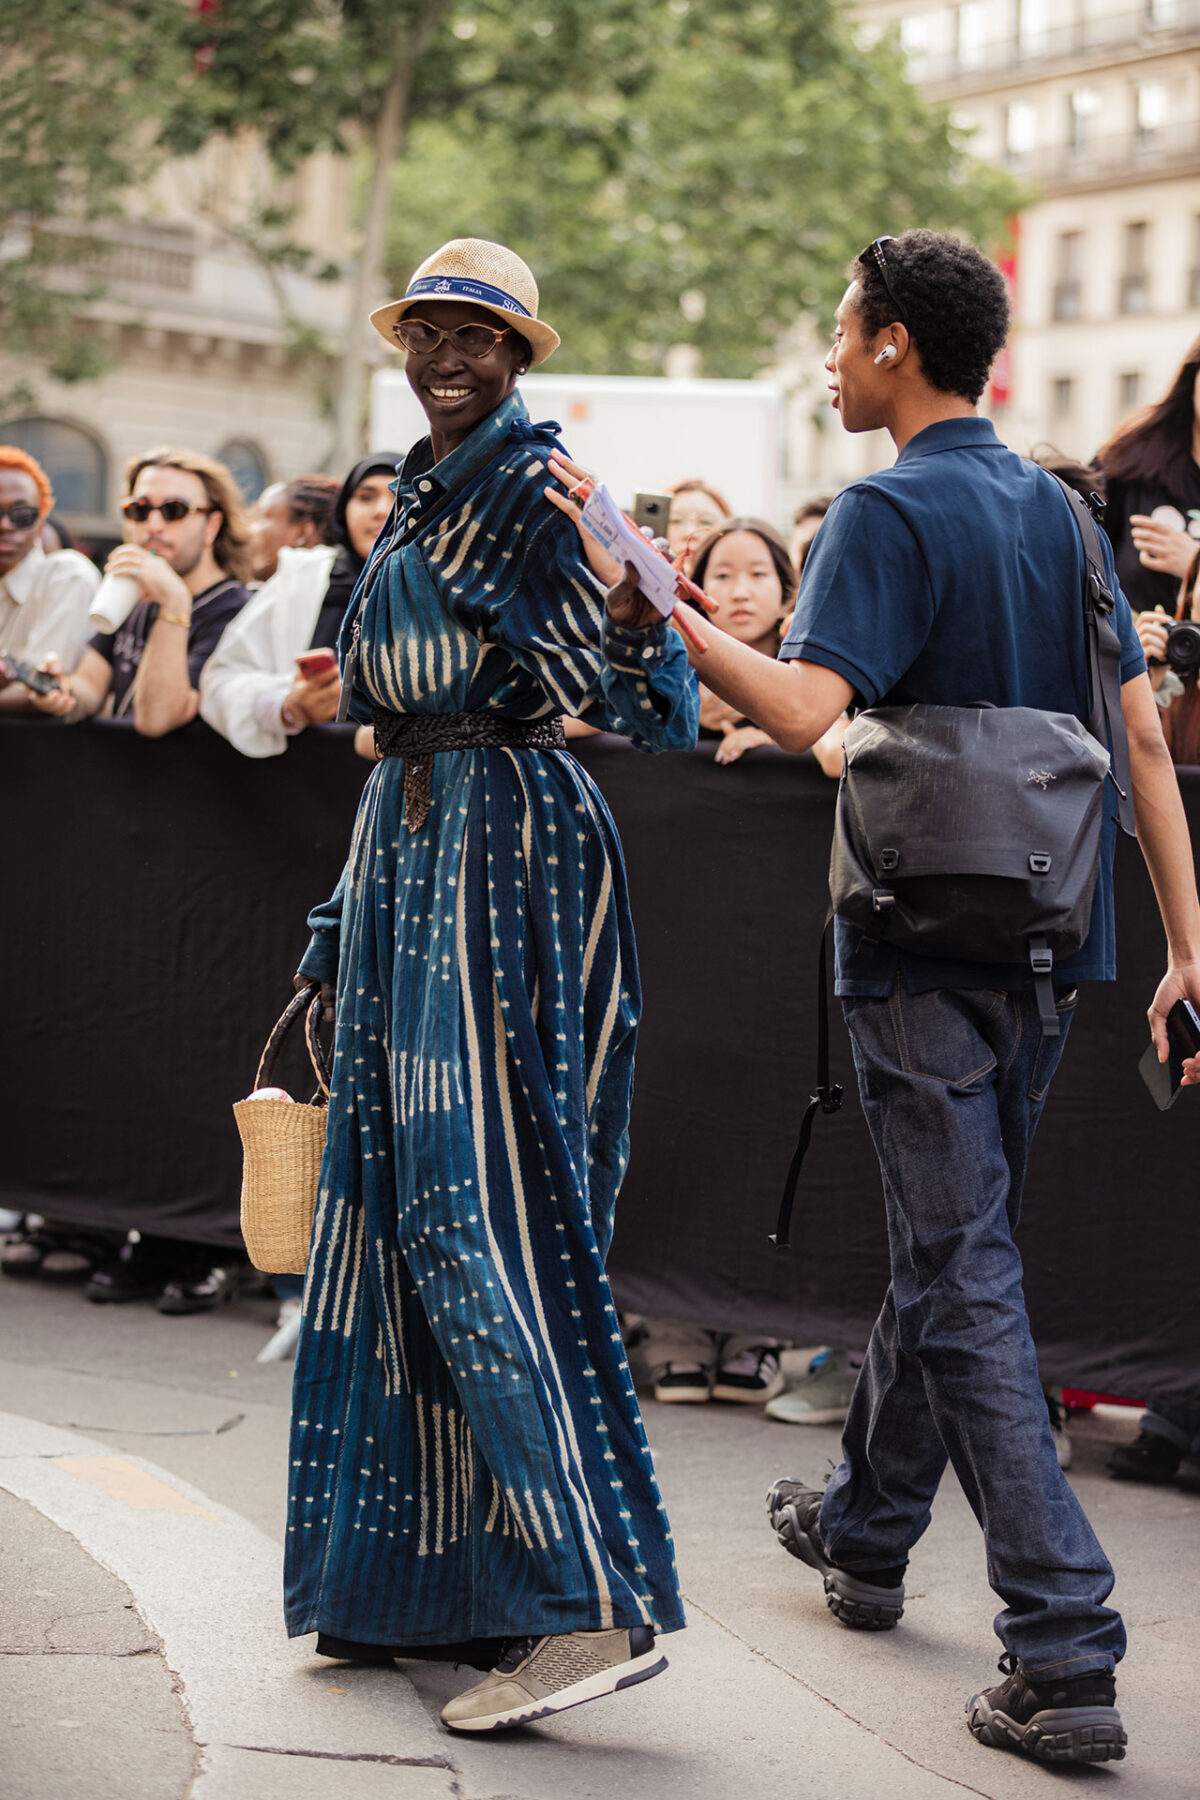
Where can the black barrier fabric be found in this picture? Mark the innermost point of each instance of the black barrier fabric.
(154, 911)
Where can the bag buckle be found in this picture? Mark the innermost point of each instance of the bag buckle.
(889, 861)
(1041, 959)
(1102, 599)
(882, 901)
(1039, 862)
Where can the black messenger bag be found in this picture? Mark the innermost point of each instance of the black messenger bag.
(972, 833)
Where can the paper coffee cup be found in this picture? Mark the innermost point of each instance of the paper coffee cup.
(114, 600)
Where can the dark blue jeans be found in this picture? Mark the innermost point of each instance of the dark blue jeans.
(953, 1083)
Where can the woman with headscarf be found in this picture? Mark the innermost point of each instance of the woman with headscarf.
(471, 1478)
(252, 690)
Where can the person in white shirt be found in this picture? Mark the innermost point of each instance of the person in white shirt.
(290, 515)
(252, 690)
(44, 599)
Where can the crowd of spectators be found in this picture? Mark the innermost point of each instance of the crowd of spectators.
(238, 622)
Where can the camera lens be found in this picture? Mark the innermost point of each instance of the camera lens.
(1183, 648)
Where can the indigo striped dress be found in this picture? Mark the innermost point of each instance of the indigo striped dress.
(468, 1459)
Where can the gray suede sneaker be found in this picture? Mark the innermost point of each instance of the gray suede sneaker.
(537, 1676)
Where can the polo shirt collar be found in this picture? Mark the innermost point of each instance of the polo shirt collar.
(429, 480)
(951, 434)
(19, 581)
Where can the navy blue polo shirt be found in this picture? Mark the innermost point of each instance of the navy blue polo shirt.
(956, 576)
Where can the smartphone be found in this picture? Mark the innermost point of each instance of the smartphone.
(1183, 1038)
(40, 680)
(653, 510)
(316, 662)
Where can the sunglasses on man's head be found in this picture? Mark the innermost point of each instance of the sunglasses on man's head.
(874, 254)
(422, 338)
(170, 511)
(20, 516)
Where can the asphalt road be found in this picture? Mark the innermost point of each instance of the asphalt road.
(142, 1464)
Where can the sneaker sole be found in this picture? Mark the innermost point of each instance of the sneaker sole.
(828, 1415)
(682, 1396)
(595, 1687)
(1079, 1734)
(858, 1605)
(748, 1396)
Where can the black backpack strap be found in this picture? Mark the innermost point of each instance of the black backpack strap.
(827, 1097)
(1041, 961)
(1107, 721)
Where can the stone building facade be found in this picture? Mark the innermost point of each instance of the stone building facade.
(1096, 104)
(211, 347)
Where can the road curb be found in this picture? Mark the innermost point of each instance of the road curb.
(207, 1583)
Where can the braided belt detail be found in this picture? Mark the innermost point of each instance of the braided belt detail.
(418, 737)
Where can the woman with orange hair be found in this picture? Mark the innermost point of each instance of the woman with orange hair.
(44, 599)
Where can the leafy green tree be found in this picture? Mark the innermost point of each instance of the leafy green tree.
(690, 171)
(313, 74)
(79, 89)
(707, 194)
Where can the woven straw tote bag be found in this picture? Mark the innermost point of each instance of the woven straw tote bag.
(282, 1142)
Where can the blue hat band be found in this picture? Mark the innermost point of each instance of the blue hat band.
(455, 287)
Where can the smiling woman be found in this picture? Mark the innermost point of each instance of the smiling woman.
(471, 1476)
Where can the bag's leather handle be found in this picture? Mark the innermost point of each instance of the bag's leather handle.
(308, 1002)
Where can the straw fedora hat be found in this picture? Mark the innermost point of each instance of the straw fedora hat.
(485, 274)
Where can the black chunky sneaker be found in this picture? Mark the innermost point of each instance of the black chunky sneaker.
(1151, 1457)
(1055, 1721)
(871, 1600)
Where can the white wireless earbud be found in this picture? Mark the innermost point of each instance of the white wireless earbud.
(885, 355)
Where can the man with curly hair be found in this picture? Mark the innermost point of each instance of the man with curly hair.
(44, 599)
(955, 577)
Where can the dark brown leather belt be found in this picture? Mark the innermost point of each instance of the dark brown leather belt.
(418, 737)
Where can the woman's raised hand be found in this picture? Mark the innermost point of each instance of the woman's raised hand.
(606, 568)
(625, 602)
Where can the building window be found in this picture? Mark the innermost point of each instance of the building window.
(248, 467)
(1033, 27)
(971, 34)
(1067, 296)
(1020, 129)
(1134, 290)
(1082, 106)
(1062, 398)
(1162, 13)
(1129, 391)
(75, 461)
(914, 41)
(1151, 105)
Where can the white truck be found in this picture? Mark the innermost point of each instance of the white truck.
(638, 433)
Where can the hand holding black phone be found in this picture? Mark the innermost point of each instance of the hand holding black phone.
(1165, 1080)
(40, 681)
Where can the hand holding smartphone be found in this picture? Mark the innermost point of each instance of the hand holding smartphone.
(1165, 1080)
(39, 681)
(314, 663)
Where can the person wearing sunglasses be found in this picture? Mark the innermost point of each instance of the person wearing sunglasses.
(461, 1386)
(44, 596)
(187, 546)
